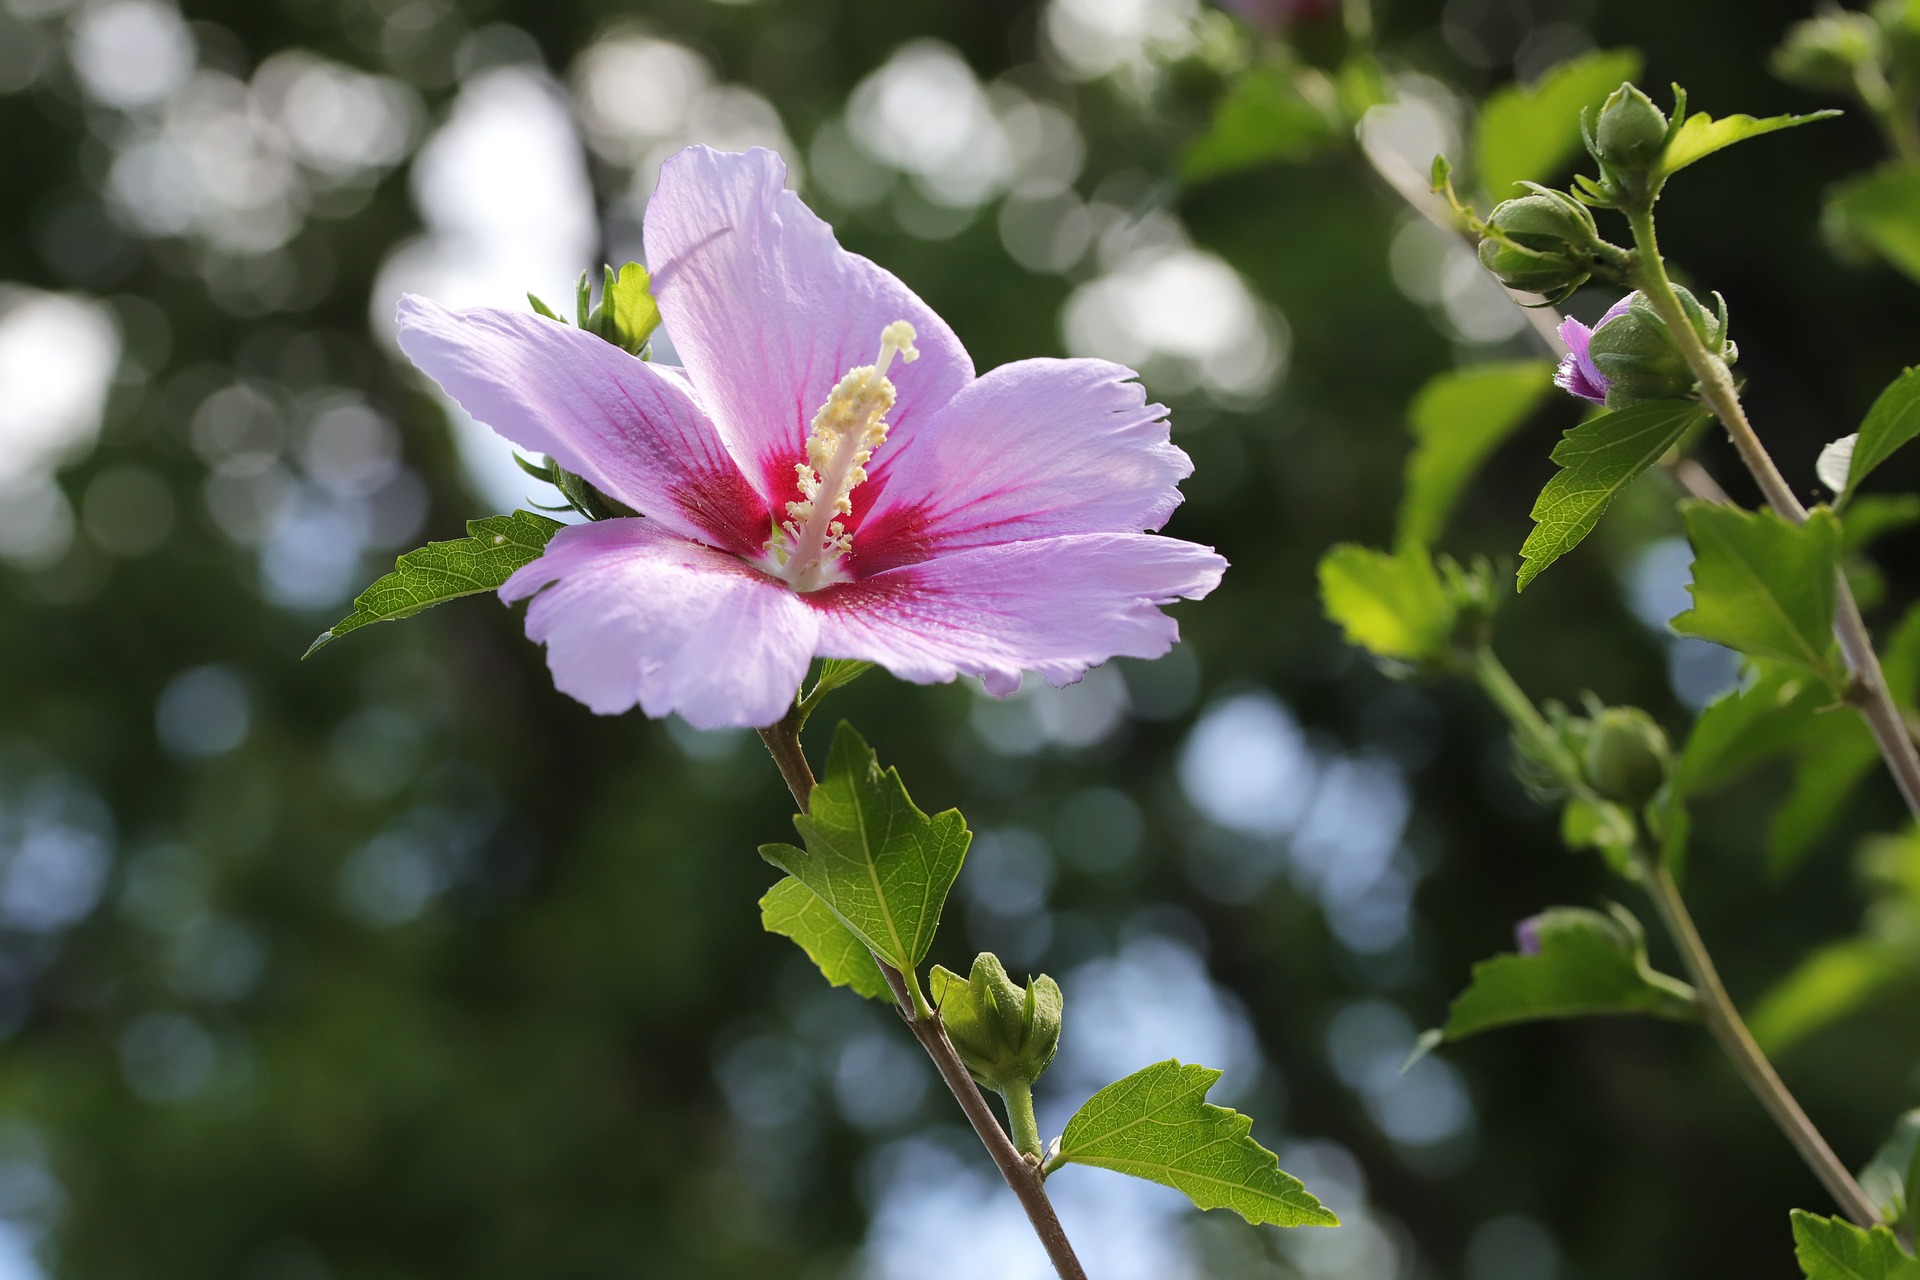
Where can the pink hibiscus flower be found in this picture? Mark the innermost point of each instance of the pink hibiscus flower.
(801, 496)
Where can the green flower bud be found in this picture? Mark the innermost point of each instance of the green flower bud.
(1540, 243)
(1005, 1034)
(1826, 53)
(1626, 756)
(1631, 132)
(1637, 356)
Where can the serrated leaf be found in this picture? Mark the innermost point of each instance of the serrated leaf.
(1156, 1124)
(1700, 135)
(794, 911)
(1263, 116)
(1588, 963)
(1880, 212)
(443, 571)
(1530, 133)
(1598, 459)
(1835, 1249)
(1893, 420)
(1760, 720)
(1391, 604)
(1763, 585)
(880, 864)
(1892, 1178)
(1826, 986)
(1458, 419)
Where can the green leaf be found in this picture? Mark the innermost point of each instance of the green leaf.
(835, 673)
(1835, 752)
(1588, 962)
(1835, 1249)
(1598, 459)
(1263, 116)
(1826, 986)
(880, 864)
(443, 571)
(1531, 133)
(1700, 135)
(1880, 212)
(626, 314)
(1156, 1124)
(1393, 605)
(1741, 728)
(1871, 516)
(1763, 585)
(1892, 1178)
(1458, 419)
(792, 910)
(1893, 420)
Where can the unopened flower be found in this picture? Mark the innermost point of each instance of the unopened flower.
(825, 476)
(1577, 373)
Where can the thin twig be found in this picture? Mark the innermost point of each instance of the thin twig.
(783, 743)
(1723, 1019)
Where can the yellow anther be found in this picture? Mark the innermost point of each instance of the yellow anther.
(847, 429)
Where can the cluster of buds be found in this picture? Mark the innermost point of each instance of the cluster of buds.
(1872, 56)
(1544, 242)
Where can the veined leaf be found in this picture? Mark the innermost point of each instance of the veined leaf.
(880, 864)
(1763, 585)
(1532, 132)
(792, 910)
(443, 571)
(1586, 963)
(1458, 419)
(1157, 1124)
(1598, 459)
(1893, 420)
(1835, 1249)
(1701, 135)
(1393, 605)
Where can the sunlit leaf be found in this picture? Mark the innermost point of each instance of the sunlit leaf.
(1893, 420)
(1157, 1124)
(1458, 419)
(880, 864)
(1762, 584)
(1586, 963)
(1700, 135)
(1835, 1249)
(1392, 604)
(1532, 132)
(1598, 459)
(443, 571)
(1826, 986)
(792, 910)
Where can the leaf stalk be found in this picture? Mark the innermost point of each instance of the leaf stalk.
(783, 744)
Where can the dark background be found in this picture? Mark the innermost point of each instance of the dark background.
(397, 963)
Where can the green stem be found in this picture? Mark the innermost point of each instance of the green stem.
(1026, 1128)
(1870, 694)
(783, 744)
(1724, 1021)
(1718, 1011)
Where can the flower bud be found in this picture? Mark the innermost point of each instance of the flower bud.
(1541, 243)
(1626, 755)
(1827, 52)
(1637, 358)
(1631, 132)
(1005, 1034)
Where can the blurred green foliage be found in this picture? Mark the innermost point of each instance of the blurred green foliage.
(397, 963)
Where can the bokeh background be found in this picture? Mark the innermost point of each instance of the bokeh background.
(396, 963)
